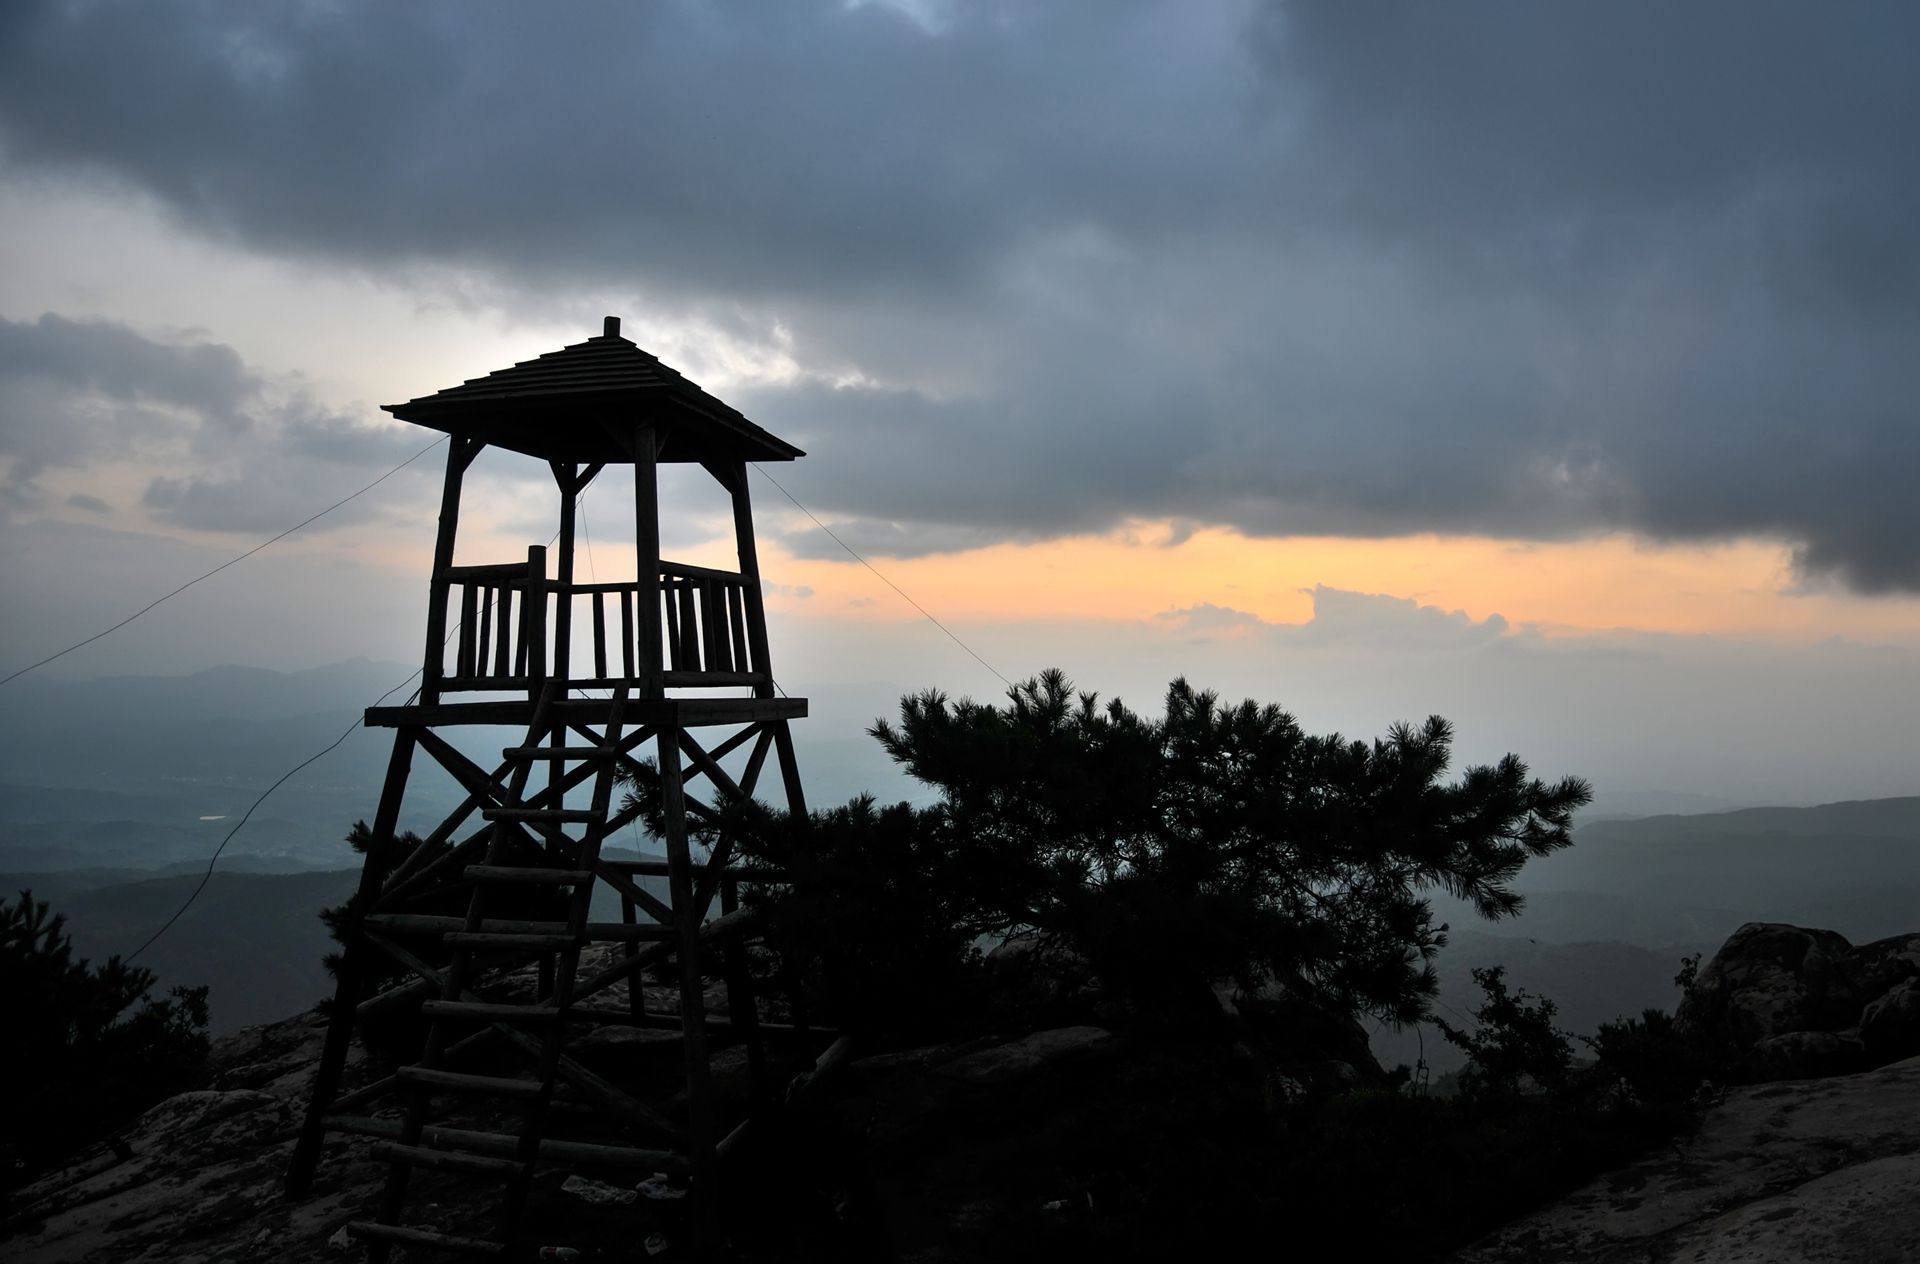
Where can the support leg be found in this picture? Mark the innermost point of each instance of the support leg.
(333, 1056)
(693, 1017)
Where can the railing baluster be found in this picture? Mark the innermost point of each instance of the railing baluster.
(719, 640)
(736, 605)
(626, 632)
(672, 623)
(703, 598)
(689, 627)
(600, 635)
(481, 657)
(503, 640)
(522, 639)
(469, 600)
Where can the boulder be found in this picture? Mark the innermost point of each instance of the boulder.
(1040, 978)
(1033, 951)
(1296, 1031)
(1884, 964)
(1805, 1055)
(1019, 1059)
(1890, 1025)
(1771, 979)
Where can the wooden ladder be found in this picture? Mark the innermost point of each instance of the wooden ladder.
(457, 1019)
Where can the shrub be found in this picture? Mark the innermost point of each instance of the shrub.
(1515, 1046)
(1655, 1066)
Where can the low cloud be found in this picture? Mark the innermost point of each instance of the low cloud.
(72, 392)
(1350, 619)
(1374, 619)
(222, 447)
(1208, 621)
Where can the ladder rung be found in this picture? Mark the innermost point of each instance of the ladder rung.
(459, 1082)
(624, 932)
(669, 1020)
(489, 1011)
(571, 754)
(428, 924)
(504, 1144)
(529, 875)
(423, 1237)
(507, 939)
(447, 1160)
(555, 816)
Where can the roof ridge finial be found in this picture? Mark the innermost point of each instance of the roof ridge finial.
(610, 328)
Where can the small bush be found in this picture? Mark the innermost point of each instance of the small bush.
(1516, 1047)
(1651, 1062)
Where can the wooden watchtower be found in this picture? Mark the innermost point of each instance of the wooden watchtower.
(508, 647)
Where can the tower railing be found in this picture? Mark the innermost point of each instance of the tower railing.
(506, 616)
(501, 638)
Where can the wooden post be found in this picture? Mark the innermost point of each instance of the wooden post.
(646, 519)
(742, 1006)
(693, 1024)
(533, 621)
(460, 454)
(346, 995)
(750, 574)
(789, 769)
(564, 475)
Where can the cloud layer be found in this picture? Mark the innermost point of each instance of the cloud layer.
(1303, 268)
(212, 445)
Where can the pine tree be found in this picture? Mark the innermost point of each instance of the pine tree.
(1214, 843)
(1224, 841)
(83, 1058)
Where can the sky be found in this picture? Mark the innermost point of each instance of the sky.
(1552, 368)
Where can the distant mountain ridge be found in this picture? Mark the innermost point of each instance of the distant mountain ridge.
(1607, 921)
(1852, 866)
(1893, 817)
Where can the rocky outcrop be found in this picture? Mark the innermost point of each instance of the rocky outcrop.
(1305, 1046)
(990, 1140)
(1811, 1172)
(1890, 1026)
(1788, 1002)
(198, 1176)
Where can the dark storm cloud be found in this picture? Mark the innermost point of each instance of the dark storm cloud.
(1527, 270)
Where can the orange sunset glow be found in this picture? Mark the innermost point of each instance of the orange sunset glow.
(1738, 588)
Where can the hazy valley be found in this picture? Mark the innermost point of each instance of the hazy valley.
(115, 827)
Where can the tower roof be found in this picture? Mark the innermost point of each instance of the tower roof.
(582, 402)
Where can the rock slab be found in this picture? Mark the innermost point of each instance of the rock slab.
(1796, 1172)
